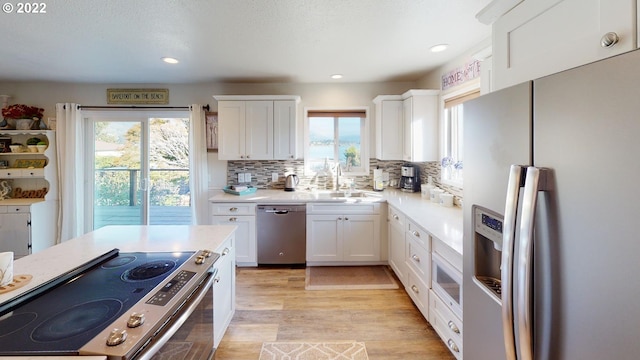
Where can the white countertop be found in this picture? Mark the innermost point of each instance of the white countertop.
(445, 223)
(59, 259)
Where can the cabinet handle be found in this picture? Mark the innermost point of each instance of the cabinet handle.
(416, 234)
(415, 258)
(396, 217)
(452, 346)
(217, 279)
(233, 209)
(609, 39)
(233, 219)
(225, 251)
(346, 218)
(453, 327)
(247, 156)
(339, 219)
(241, 156)
(415, 289)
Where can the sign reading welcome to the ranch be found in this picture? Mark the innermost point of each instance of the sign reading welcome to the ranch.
(138, 96)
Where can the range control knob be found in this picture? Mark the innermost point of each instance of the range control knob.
(200, 259)
(135, 320)
(207, 253)
(117, 337)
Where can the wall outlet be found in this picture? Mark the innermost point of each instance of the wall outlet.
(240, 178)
(247, 177)
(274, 177)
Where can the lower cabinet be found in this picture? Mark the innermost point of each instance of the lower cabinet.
(27, 229)
(243, 216)
(224, 290)
(446, 323)
(343, 233)
(397, 248)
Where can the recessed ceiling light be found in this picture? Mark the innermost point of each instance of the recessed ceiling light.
(170, 60)
(336, 76)
(439, 48)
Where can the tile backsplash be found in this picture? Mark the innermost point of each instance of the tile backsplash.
(261, 171)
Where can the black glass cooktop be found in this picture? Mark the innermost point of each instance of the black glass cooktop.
(63, 319)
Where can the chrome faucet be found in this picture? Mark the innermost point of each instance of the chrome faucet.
(338, 174)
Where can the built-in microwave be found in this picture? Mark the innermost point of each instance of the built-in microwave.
(446, 282)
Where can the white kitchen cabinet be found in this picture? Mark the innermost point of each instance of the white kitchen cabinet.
(243, 216)
(284, 130)
(224, 290)
(420, 113)
(343, 233)
(257, 127)
(538, 38)
(389, 127)
(15, 232)
(397, 247)
(446, 323)
(407, 126)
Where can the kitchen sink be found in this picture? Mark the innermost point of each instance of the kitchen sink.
(345, 195)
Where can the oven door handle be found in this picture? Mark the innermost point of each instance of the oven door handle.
(159, 342)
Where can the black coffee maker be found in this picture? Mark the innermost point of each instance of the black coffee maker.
(410, 180)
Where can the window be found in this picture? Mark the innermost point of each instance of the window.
(452, 139)
(337, 136)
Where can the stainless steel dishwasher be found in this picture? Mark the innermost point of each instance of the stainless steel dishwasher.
(282, 234)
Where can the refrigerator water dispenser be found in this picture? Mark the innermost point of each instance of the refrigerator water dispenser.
(488, 251)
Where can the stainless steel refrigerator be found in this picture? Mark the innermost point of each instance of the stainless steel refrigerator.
(566, 217)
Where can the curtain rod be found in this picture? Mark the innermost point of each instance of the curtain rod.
(80, 107)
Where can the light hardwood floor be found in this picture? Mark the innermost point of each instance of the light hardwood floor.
(272, 305)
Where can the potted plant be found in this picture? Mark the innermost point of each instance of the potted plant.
(32, 144)
(20, 116)
(42, 146)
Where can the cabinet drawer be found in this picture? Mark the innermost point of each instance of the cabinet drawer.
(396, 218)
(233, 209)
(446, 324)
(342, 208)
(418, 292)
(32, 172)
(14, 209)
(417, 233)
(419, 260)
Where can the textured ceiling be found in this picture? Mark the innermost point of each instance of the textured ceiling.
(301, 41)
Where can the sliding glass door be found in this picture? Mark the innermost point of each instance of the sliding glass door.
(139, 170)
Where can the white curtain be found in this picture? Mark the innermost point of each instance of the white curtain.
(70, 146)
(199, 175)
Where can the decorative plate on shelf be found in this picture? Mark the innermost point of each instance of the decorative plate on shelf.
(29, 163)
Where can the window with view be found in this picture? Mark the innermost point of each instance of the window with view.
(337, 136)
(452, 139)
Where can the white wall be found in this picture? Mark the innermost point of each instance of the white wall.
(47, 94)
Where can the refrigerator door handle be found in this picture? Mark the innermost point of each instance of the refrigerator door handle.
(516, 177)
(536, 180)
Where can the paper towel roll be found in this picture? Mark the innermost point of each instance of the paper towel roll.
(6, 268)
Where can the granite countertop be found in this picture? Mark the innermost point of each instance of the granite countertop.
(59, 259)
(445, 223)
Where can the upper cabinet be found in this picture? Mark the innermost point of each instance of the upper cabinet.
(542, 37)
(257, 127)
(407, 126)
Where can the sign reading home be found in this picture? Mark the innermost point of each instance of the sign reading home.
(138, 96)
(469, 71)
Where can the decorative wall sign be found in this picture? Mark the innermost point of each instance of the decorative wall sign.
(18, 193)
(212, 130)
(469, 71)
(138, 96)
(29, 163)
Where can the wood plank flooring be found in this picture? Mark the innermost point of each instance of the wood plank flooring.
(272, 305)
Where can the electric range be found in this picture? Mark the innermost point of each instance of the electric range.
(117, 305)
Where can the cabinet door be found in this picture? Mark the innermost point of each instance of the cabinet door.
(224, 292)
(361, 234)
(538, 38)
(390, 130)
(421, 127)
(397, 247)
(284, 130)
(15, 234)
(245, 237)
(231, 130)
(324, 238)
(259, 130)
(407, 115)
